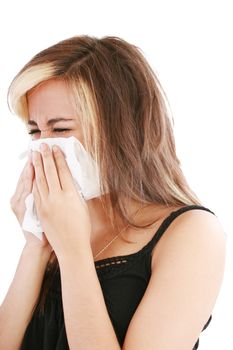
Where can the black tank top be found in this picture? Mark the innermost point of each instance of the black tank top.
(123, 280)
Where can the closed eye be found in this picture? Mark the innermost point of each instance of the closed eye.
(32, 132)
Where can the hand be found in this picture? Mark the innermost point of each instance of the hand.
(63, 214)
(23, 188)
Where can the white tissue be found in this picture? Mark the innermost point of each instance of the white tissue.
(83, 169)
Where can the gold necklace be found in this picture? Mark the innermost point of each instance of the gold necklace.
(115, 237)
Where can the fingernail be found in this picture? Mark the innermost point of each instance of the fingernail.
(55, 149)
(43, 146)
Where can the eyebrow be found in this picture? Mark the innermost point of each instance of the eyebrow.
(50, 121)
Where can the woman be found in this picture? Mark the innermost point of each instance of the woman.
(139, 267)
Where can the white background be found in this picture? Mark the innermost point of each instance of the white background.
(189, 45)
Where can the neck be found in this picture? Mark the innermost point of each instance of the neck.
(101, 225)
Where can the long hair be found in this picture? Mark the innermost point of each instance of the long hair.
(124, 115)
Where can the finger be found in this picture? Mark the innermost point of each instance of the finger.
(50, 169)
(21, 177)
(28, 178)
(25, 181)
(36, 196)
(40, 178)
(63, 170)
(36, 193)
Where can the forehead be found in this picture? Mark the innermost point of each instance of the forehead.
(50, 99)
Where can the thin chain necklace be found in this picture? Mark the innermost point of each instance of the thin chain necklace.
(115, 237)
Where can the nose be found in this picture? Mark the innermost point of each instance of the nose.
(45, 134)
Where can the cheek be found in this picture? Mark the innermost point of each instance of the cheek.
(36, 136)
(79, 136)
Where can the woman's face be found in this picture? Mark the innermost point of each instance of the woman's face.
(52, 111)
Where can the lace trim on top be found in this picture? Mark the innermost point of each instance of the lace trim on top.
(121, 261)
(110, 267)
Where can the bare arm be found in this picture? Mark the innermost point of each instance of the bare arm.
(87, 322)
(17, 307)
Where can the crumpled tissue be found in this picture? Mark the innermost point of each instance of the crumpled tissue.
(83, 169)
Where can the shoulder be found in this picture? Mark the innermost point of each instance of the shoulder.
(188, 266)
(194, 233)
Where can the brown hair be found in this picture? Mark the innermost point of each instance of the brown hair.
(125, 115)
